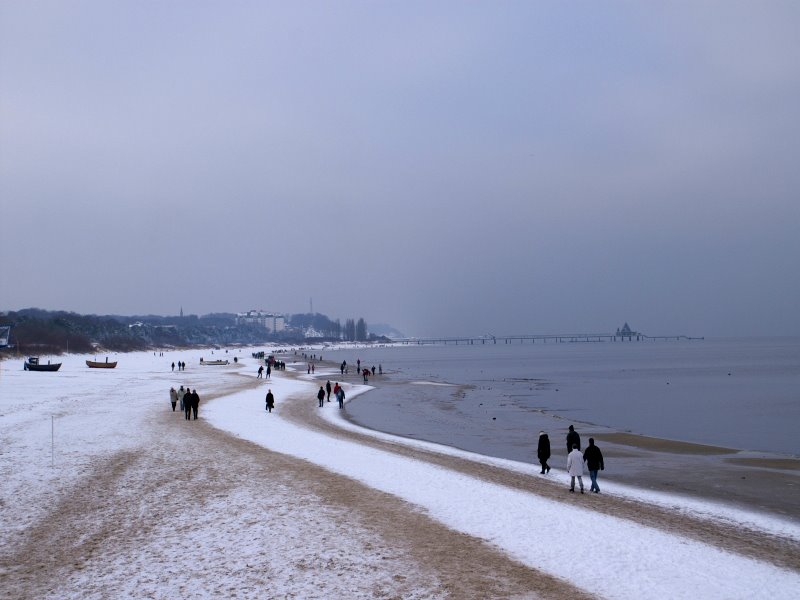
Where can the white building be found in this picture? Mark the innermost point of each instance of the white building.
(270, 321)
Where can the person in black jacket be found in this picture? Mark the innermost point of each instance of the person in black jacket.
(270, 401)
(328, 389)
(594, 461)
(195, 403)
(543, 451)
(187, 404)
(321, 395)
(573, 439)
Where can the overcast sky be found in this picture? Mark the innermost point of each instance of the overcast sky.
(445, 167)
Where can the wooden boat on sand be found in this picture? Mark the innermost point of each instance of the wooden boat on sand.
(32, 364)
(94, 364)
(213, 362)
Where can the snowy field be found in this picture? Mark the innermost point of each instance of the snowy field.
(54, 425)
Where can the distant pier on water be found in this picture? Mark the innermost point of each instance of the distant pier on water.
(625, 333)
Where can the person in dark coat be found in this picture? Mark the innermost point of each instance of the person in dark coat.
(195, 403)
(270, 401)
(321, 395)
(328, 389)
(543, 451)
(340, 396)
(260, 372)
(594, 462)
(573, 439)
(187, 404)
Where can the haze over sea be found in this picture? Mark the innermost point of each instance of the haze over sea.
(735, 393)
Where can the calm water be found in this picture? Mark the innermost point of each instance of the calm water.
(738, 393)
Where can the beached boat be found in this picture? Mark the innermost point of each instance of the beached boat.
(213, 362)
(32, 364)
(94, 364)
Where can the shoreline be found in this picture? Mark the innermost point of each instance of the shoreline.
(753, 480)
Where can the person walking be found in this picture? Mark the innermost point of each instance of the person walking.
(321, 395)
(187, 404)
(575, 468)
(270, 401)
(543, 451)
(340, 396)
(260, 372)
(328, 389)
(195, 403)
(173, 367)
(573, 439)
(594, 462)
(173, 398)
(269, 371)
(181, 394)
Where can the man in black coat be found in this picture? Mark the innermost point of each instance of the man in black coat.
(594, 461)
(195, 403)
(543, 451)
(187, 404)
(321, 395)
(573, 439)
(328, 389)
(270, 401)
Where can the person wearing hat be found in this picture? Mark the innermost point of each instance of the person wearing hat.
(543, 451)
(573, 439)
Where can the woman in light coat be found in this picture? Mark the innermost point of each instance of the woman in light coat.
(575, 468)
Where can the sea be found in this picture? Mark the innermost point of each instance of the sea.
(739, 393)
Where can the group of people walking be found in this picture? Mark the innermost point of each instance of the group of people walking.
(592, 456)
(326, 390)
(181, 366)
(189, 401)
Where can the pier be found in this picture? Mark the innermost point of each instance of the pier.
(545, 338)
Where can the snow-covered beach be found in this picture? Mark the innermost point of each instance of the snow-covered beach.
(108, 493)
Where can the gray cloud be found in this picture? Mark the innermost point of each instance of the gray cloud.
(445, 168)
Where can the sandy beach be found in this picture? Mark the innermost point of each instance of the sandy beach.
(141, 503)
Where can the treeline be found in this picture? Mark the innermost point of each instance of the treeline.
(35, 331)
(353, 331)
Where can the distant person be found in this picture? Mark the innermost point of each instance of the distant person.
(260, 372)
(195, 403)
(321, 395)
(187, 404)
(342, 366)
(269, 370)
(312, 367)
(173, 367)
(373, 369)
(543, 451)
(365, 373)
(340, 396)
(358, 364)
(308, 370)
(380, 369)
(181, 394)
(328, 390)
(594, 462)
(173, 397)
(575, 468)
(573, 439)
(270, 401)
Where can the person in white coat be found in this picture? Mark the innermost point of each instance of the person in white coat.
(575, 468)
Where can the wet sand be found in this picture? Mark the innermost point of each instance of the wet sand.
(750, 480)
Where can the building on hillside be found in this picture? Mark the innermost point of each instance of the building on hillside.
(270, 321)
(5, 335)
